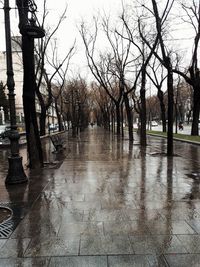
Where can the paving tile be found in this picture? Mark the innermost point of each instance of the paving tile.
(64, 196)
(186, 260)
(118, 204)
(191, 242)
(195, 224)
(104, 215)
(26, 262)
(161, 227)
(152, 205)
(32, 229)
(14, 248)
(92, 245)
(143, 244)
(130, 228)
(141, 214)
(2, 242)
(81, 228)
(117, 228)
(84, 205)
(139, 228)
(99, 196)
(102, 245)
(71, 215)
(181, 214)
(46, 216)
(157, 261)
(169, 244)
(128, 261)
(53, 247)
(79, 261)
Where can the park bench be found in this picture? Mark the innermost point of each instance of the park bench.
(58, 141)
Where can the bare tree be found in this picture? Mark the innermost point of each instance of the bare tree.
(157, 77)
(75, 97)
(101, 69)
(192, 73)
(44, 60)
(55, 90)
(120, 65)
(144, 57)
(165, 59)
(104, 106)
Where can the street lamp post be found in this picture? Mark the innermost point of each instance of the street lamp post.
(16, 172)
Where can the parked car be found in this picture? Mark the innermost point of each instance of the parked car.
(154, 123)
(53, 127)
(4, 130)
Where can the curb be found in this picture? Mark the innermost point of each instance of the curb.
(176, 139)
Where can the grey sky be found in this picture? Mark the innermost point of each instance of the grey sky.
(78, 10)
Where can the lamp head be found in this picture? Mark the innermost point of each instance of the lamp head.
(32, 30)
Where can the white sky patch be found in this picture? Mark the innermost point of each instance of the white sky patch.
(79, 10)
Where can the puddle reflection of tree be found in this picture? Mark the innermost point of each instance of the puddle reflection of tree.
(143, 209)
(167, 236)
(16, 195)
(160, 165)
(124, 169)
(43, 216)
(194, 193)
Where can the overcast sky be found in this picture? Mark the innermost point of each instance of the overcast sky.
(68, 32)
(77, 10)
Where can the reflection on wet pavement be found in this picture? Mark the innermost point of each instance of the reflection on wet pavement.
(110, 203)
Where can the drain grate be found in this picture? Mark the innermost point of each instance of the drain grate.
(6, 228)
(18, 212)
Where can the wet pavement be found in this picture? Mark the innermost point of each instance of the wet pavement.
(110, 203)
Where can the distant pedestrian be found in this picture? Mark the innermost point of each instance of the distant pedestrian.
(180, 126)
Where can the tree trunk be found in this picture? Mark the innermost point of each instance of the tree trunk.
(129, 117)
(118, 118)
(29, 87)
(143, 140)
(196, 110)
(43, 120)
(58, 117)
(162, 109)
(170, 108)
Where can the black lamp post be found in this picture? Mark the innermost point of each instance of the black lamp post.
(28, 26)
(16, 172)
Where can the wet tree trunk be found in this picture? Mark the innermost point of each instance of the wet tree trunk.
(143, 140)
(129, 117)
(162, 109)
(170, 107)
(122, 118)
(196, 110)
(117, 105)
(29, 89)
(58, 116)
(43, 120)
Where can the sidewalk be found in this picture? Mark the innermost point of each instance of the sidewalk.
(109, 204)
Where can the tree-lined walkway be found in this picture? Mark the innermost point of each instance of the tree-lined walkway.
(109, 204)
